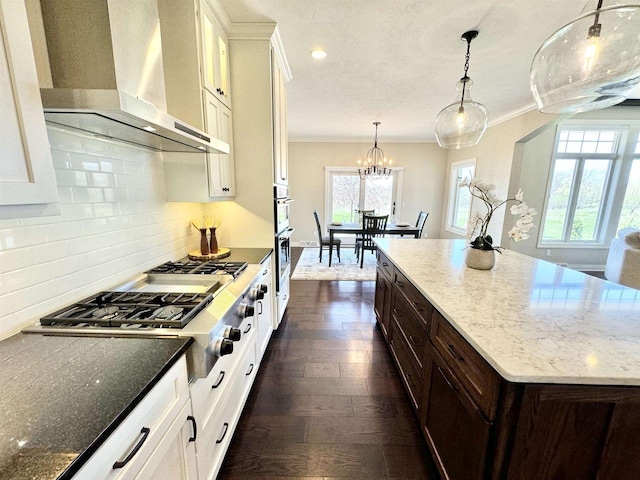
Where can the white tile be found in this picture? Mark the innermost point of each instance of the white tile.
(13, 259)
(85, 162)
(101, 179)
(111, 165)
(88, 195)
(105, 209)
(47, 252)
(76, 211)
(63, 140)
(65, 195)
(21, 237)
(62, 231)
(71, 178)
(60, 159)
(97, 146)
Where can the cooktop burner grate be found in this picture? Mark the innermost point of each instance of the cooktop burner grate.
(199, 268)
(131, 310)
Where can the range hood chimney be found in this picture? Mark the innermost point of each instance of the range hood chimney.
(107, 73)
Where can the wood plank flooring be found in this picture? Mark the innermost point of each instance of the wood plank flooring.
(327, 403)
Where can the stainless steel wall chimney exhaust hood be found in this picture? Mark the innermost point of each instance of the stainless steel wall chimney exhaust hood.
(107, 74)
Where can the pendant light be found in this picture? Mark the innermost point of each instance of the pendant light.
(376, 164)
(462, 123)
(590, 63)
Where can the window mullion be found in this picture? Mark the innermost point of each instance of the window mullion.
(573, 199)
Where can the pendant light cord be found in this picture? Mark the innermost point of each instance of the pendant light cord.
(594, 30)
(467, 36)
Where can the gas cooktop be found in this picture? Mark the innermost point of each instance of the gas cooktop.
(199, 268)
(131, 310)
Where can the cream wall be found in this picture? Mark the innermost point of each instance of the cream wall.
(494, 155)
(113, 222)
(424, 170)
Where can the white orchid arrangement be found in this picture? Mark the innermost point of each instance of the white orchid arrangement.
(478, 223)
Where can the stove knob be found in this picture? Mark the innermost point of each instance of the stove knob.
(263, 288)
(247, 311)
(221, 346)
(232, 333)
(257, 294)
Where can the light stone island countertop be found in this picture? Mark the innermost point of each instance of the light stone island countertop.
(532, 320)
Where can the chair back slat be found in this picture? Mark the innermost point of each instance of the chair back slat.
(422, 219)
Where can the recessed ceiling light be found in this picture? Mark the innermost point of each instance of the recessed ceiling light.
(318, 54)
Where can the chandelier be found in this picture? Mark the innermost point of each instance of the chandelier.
(376, 164)
(462, 123)
(590, 63)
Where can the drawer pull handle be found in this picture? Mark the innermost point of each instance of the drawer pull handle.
(451, 386)
(453, 351)
(192, 419)
(145, 433)
(250, 369)
(418, 308)
(220, 378)
(397, 311)
(224, 433)
(416, 341)
(400, 284)
(248, 328)
(385, 264)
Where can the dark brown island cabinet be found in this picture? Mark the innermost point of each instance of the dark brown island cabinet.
(480, 426)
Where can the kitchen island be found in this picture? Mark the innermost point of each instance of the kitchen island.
(63, 396)
(529, 370)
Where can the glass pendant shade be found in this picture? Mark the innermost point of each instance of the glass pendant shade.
(461, 124)
(591, 63)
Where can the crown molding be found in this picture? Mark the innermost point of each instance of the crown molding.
(281, 56)
(251, 30)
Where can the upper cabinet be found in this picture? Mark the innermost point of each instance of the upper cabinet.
(280, 137)
(215, 56)
(26, 169)
(197, 80)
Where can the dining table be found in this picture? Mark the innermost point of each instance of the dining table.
(355, 229)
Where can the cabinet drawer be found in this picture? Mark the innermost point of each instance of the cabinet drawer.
(213, 441)
(410, 328)
(385, 265)
(419, 304)
(142, 430)
(412, 378)
(457, 432)
(475, 374)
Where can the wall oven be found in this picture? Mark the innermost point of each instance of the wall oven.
(281, 207)
(283, 271)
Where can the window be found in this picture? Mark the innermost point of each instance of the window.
(630, 212)
(347, 193)
(459, 207)
(591, 170)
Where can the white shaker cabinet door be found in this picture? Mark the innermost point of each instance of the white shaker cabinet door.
(26, 168)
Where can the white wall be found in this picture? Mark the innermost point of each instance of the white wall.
(113, 223)
(424, 166)
(494, 154)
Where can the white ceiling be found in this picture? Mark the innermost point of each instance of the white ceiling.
(398, 61)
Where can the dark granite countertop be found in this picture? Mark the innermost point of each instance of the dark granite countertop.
(253, 256)
(61, 397)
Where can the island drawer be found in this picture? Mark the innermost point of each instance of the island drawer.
(410, 328)
(414, 298)
(480, 380)
(412, 377)
(385, 265)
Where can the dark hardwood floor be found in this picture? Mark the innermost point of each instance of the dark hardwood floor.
(327, 403)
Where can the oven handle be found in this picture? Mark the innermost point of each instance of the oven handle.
(285, 233)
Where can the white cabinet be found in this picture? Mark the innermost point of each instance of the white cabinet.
(215, 55)
(218, 401)
(264, 310)
(26, 168)
(280, 136)
(220, 168)
(195, 54)
(153, 436)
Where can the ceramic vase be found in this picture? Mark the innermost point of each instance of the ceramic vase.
(480, 259)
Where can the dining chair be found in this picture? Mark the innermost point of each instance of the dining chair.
(361, 214)
(325, 242)
(372, 226)
(422, 219)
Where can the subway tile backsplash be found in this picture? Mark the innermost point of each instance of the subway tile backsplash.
(113, 223)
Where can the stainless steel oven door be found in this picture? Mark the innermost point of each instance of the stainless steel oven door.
(283, 255)
(282, 213)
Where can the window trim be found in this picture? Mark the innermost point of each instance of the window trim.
(618, 157)
(452, 197)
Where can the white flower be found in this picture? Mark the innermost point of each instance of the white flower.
(519, 195)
